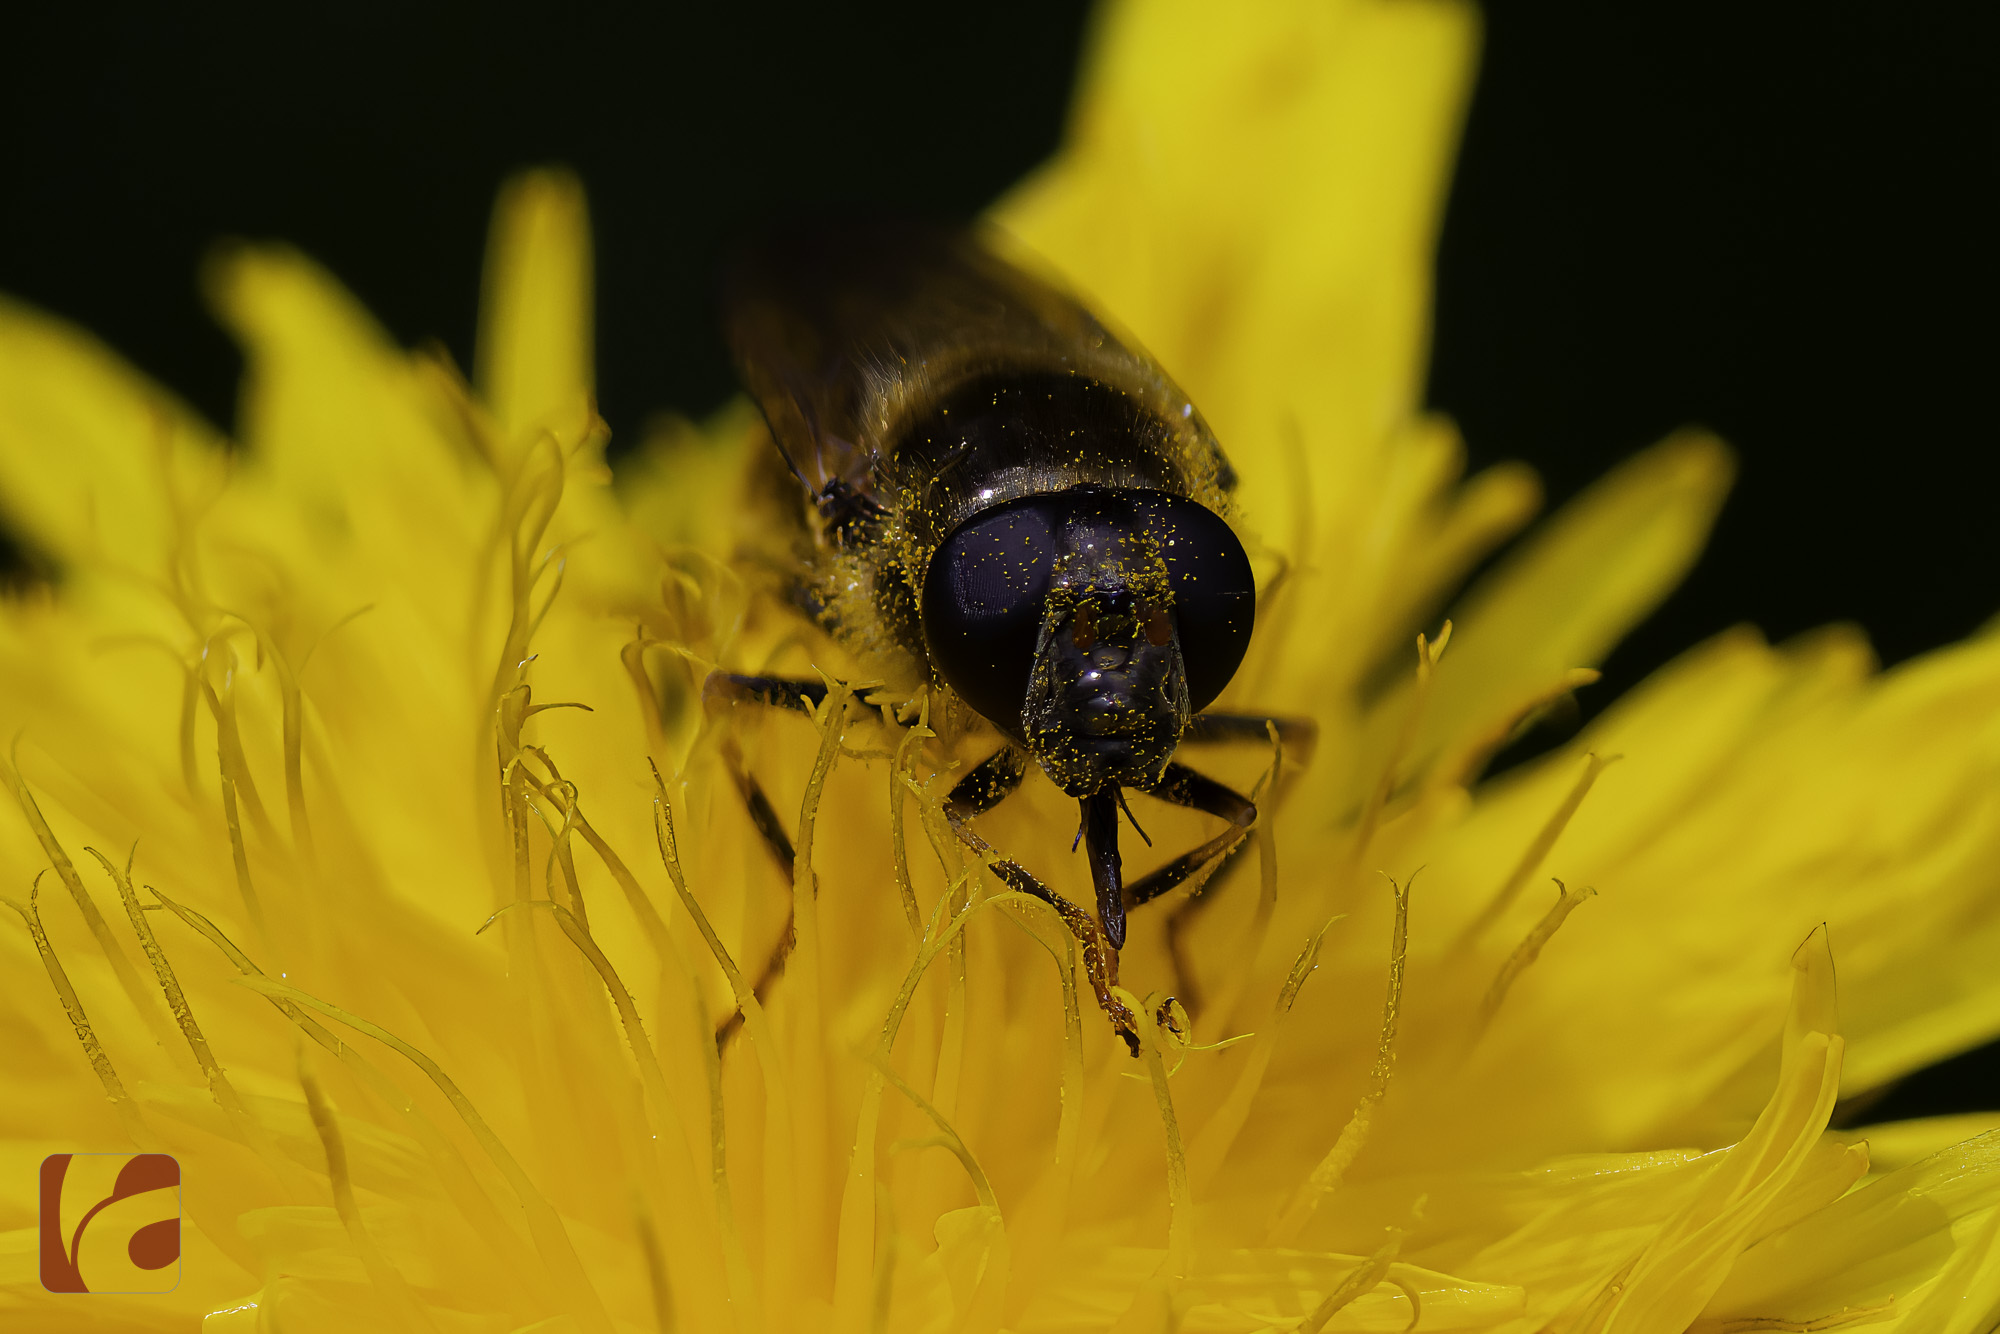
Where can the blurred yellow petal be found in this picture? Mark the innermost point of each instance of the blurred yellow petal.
(1898, 1144)
(1666, 1284)
(535, 357)
(1917, 1243)
(96, 465)
(357, 443)
(1576, 587)
(1255, 194)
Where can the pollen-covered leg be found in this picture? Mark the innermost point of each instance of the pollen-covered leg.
(1184, 787)
(1291, 739)
(721, 691)
(772, 834)
(1298, 736)
(991, 782)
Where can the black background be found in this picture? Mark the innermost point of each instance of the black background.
(1773, 221)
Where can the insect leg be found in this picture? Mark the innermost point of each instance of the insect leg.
(1184, 787)
(1296, 735)
(1296, 738)
(780, 692)
(992, 781)
(721, 691)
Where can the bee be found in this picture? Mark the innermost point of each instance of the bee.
(1004, 502)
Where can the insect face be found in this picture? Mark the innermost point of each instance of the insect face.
(1089, 624)
(1107, 698)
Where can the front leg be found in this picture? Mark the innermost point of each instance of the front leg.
(723, 689)
(991, 782)
(720, 692)
(1294, 739)
(1184, 787)
(1297, 736)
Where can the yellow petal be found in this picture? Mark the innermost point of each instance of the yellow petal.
(1254, 192)
(535, 355)
(1666, 1285)
(351, 431)
(1882, 1246)
(1893, 1145)
(1585, 579)
(1761, 791)
(1638, 1243)
(95, 461)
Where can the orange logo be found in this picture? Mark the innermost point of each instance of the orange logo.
(111, 1222)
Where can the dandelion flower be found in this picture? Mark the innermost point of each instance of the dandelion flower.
(295, 716)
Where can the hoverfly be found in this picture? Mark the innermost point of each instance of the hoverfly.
(1005, 502)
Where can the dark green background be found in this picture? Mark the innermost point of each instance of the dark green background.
(1772, 220)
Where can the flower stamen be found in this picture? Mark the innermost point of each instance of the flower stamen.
(1180, 1205)
(239, 857)
(1363, 1280)
(235, 764)
(809, 1031)
(743, 1292)
(665, 950)
(79, 1021)
(1527, 952)
(669, 1134)
(1332, 1169)
(177, 1002)
(1237, 974)
(388, 1280)
(1213, 1141)
(100, 930)
(474, 1204)
(1846, 1315)
(551, 1238)
(982, 1309)
(780, 1248)
(1043, 1215)
(1531, 859)
(292, 722)
(857, 1232)
(899, 779)
(1429, 653)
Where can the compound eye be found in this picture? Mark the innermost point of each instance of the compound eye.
(1215, 595)
(1158, 628)
(982, 605)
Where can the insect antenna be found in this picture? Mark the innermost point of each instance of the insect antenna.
(1120, 793)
